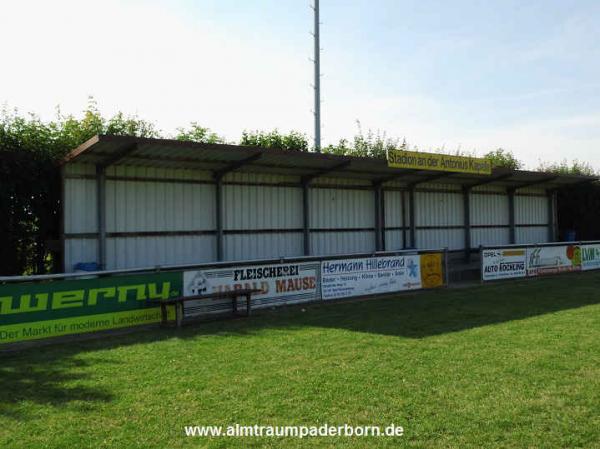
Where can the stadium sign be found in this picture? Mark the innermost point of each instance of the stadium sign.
(439, 162)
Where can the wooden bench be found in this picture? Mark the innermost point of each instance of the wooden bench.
(179, 302)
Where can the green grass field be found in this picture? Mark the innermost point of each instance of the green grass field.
(511, 365)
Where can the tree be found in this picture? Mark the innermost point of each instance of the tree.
(564, 168)
(373, 144)
(29, 192)
(504, 159)
(294, 140)
(197, 133)
(30, 187)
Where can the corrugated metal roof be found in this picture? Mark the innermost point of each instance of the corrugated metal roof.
(136, 151)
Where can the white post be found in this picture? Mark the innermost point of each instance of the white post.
(317, 86)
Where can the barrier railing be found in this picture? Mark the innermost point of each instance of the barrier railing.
(157, 268)
(33, 307)
(532, 260)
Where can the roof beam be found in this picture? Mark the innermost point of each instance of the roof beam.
(308, 178)
(236, 165)
(579, 183)
(396, 176)
(431, 178)
(118, 156)
(535, 183)
(491, 180)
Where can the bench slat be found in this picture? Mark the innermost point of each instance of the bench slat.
(179, 302)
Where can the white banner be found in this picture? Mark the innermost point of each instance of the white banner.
(280, 283)
(504, 263)
(553, 259)
(590, 257)
(344, 278)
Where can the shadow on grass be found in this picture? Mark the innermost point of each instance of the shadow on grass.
(444, 311)
(37, 378)
(36, 374)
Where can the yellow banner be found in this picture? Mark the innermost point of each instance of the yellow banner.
(439, 162)
(431, 270)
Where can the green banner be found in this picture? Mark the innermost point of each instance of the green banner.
(41, 310)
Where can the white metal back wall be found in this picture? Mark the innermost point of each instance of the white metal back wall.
(341, 208)
(439, 210)
(262, 246)
(394, 240)
(79, 215)
(79, 250)
(132, 172)
(147, 207)
(261, 207)
(80, 206)
(173, 203)
(168, 216)
(491, 213)
(489, 210)
(159, 207)
(252, 216)
(531, 235)
(452, 239)
(264, 178)
(132, 252)
(342, 221)
(531, 211)
(393, 219)
(335, 242)
(489, 236)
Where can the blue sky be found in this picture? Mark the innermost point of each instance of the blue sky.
(474, 75)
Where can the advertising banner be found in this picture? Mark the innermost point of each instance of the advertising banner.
(439, 162)
(280, 283)
(590, 257)
(431, 270)
(30, 311)
(553, 259)
(504, 263)
(344, 278)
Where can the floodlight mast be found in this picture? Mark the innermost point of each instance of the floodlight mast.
(317, 83)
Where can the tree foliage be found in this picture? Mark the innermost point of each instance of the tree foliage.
(565, 168)
(294, 140)
(372, 144)
(30, 190)
(197, 133)
(503, 159)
